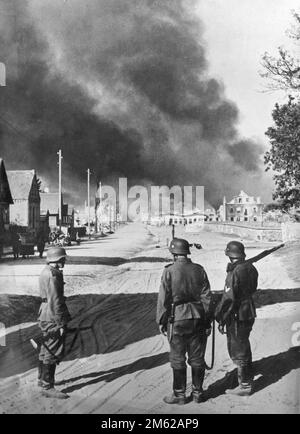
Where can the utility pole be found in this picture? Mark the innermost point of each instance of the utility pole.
(100, 207)
(88, 201)
(59, 189)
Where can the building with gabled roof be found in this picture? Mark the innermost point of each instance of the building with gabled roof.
(24, 187)
(50, 205)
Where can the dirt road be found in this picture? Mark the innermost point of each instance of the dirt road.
(120, 363)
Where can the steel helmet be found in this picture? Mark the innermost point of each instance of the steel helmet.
(235, 250)
(179, 246)
(55, 254)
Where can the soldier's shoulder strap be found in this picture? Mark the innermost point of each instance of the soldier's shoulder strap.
(55, 272)
(169, 265)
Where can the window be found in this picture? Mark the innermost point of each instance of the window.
(246, 219)
(246, 212)
(240, 200)
(255, 209)
(231, 219)
(231, 210)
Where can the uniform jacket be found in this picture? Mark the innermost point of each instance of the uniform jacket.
(53, 308)
(237, 301)
(186, 283)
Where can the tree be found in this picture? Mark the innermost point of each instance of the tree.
(283, 72)
(284, 155)
(274, 206)
(39, 184)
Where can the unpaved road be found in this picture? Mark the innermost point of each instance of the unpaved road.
(120, 363)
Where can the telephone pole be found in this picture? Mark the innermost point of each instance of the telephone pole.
(88, 201)
(100, 207)
(59, 188)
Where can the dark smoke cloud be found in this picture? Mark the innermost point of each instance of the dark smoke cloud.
(122, 87)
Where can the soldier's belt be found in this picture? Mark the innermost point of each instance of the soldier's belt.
(179, 303)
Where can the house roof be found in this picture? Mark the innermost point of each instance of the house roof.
(20, 182)
(243, 196)
(5, 192)
(50, 202)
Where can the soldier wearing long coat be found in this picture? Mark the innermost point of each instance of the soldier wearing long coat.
(236, 312)
(53, 319)
(184, 314)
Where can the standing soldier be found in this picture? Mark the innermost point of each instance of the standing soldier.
(53, 318)
(236, 311)
(15, 240)
(40, 241)
(183, 313)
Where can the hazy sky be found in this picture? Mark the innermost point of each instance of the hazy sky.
(238, 32)
(159, 118)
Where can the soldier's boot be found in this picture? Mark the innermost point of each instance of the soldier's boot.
(179, 387)
(40, 374)
(197, 383)
(245, 382)
(48, 389)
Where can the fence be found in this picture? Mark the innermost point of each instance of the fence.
(290, 231)
(253, 232)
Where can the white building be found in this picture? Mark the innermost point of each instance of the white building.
(242, 208)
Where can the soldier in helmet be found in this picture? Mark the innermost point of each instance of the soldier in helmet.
(53, 318)
(236, 311)
(184, 314)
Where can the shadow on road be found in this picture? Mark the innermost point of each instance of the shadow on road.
(113, 321)
(113, 261)
(269, 371)
(144, 363)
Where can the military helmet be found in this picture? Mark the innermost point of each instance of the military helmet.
(55, 254)
(179, 246)
(235, 249)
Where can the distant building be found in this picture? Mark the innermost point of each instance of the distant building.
(210, 214)
(184, 219)
(50, 210)
(242, 208)
(26, 196)
(6, 201)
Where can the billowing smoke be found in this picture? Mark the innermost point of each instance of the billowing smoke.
(122, 87)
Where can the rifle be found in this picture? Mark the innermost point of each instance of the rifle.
(225, 305)
(40, 341)
(264, 254)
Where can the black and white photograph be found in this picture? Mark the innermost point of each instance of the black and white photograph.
(149, 209)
